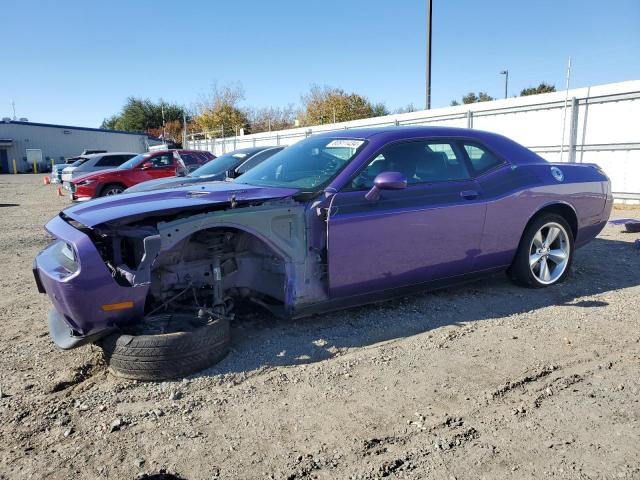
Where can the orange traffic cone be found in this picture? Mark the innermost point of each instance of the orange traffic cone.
(46, 180)
(60, 191)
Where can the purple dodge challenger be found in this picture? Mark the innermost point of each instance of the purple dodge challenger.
(336, 220)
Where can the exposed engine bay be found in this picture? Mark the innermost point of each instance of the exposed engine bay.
(205, 261)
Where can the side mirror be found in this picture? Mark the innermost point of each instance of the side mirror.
(386, 181)
(146, 165)
(181, 172)
(232, 173)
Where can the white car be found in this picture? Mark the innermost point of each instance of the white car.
(93, 163)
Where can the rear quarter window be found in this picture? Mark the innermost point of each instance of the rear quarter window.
(112, 160)
(481, 159)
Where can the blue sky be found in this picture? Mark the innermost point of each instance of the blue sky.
(74, 62)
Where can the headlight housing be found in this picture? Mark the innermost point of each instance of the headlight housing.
(85, 182)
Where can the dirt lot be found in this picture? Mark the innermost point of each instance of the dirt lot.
(484, 381)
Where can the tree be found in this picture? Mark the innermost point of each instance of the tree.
(143, 115)
(542, 88)
(454, 103)
(110, 122)
(410, 107)
(329, 105)
(471, 97)
(380, 110)
(271, 118)
(172, 130)
(220, 112)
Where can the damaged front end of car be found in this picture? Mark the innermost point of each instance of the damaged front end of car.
(112, 275)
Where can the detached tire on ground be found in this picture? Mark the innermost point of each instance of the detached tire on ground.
(163, 356)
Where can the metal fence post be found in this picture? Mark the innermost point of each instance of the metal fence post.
(469, 119)
(573, 130)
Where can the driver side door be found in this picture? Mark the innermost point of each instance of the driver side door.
(427, 231)
(162, 165)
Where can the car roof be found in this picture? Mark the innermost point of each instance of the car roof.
(403, 132)
(502, 145)
(96, 155)
(171, 150)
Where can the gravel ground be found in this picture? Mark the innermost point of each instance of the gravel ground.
(483, 381)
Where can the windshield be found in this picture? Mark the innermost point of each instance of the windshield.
(220, 165)
(132, 162)
(78, 162)
(308, 164)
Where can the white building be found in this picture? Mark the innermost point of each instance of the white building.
(54, 143)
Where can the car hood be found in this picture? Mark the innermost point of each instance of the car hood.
(130, 206)
(170, 182)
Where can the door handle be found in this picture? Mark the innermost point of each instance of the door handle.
(469, 194)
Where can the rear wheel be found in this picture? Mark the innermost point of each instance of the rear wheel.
(112, 189)
(167, 346)
(545, 252)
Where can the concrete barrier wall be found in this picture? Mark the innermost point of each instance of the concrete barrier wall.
(601, 125)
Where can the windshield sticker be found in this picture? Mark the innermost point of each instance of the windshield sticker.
(344, 143)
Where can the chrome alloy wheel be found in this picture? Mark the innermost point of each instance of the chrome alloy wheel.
(114, 191)
(549, 253)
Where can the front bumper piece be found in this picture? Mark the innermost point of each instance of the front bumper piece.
(80, 290)
(65, 338)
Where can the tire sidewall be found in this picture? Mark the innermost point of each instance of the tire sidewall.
(109, 187)
(520, 271)
(166, 356)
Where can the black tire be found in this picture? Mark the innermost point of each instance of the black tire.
(168, 355)
(112, 189)
(520, 272)
(632, 227)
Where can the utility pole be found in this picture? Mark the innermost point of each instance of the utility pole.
(564, 117)
(163, 132)
(184, 129)
(13, 106)
(506, 81)
(428, 85)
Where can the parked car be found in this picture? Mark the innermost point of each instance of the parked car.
(140, 168)
(335, 220)
(56, 171)
(232, 164)
(93, 163)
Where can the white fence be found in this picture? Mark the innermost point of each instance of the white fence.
(601, 125)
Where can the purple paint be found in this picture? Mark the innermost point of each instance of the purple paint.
(311, 248)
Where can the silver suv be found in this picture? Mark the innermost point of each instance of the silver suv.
(92, 163)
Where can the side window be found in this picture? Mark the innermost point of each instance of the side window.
(256, 159)
(113, 160)
(164, 160)
(420, 161)
(481, 159)
(190, 159)
(108, 161)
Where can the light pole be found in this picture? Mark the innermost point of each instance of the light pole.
(506, 81)
(428, 84)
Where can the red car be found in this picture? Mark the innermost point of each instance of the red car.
(143, 167)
